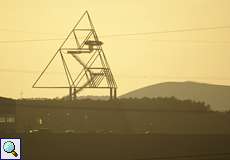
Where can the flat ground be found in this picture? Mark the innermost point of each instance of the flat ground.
(121, 147)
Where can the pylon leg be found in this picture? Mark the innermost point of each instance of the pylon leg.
(74, 94)
(111, 93)
(70, 94)
(115, 93)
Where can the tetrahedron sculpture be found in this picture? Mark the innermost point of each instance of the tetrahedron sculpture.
(83, 46)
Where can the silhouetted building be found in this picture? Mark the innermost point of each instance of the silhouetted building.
(7, 115)
(139, 116)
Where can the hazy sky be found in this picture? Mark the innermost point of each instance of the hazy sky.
(136, 61)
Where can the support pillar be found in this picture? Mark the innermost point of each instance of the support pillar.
(115, 93)
(111, 93)
(75, 94)
(70, 94)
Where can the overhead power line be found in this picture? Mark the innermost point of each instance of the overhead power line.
(153, 40)
(31, 40)
(23, 31)
(25, 71)
(8, 70)
(169, 31)
(185, 41)
(126, 34)
(142, 33)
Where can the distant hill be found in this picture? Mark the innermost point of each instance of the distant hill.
(218, 96)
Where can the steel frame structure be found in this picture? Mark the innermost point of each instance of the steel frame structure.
(94, 75)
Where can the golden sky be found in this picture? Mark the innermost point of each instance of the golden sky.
(136, 61)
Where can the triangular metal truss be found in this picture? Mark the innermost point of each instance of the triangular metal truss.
(84, 41)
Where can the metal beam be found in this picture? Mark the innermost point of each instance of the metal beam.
(94, 72)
